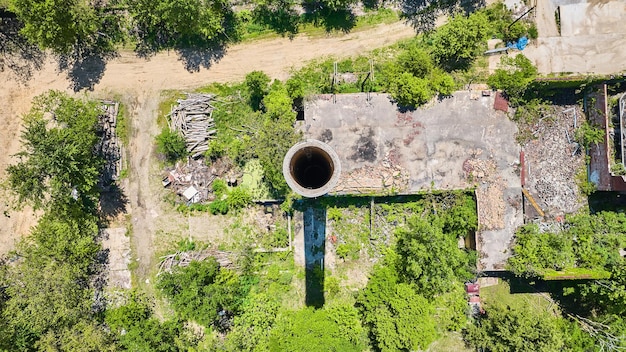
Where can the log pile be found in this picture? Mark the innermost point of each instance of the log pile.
(108, 147)
(184, 258)
(193, 119)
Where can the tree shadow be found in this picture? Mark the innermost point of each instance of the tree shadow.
(195, 51)
(85, 65)
(422, 14)
(16, 54)
(195, 58)
(113, 202)
(564, 292)
(340, 19)
(283, 20)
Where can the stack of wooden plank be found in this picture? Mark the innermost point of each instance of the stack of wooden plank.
(193, 119)
(109, 146)
(183, 259)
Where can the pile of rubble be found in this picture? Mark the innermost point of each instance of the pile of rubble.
(193, 180)
(553, 160)
(386, 176)
(489, 193)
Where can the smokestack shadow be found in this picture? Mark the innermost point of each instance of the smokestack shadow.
(314, 252)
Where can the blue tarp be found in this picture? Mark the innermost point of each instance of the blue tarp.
(520, 44)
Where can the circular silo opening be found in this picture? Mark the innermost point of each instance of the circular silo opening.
(311, 168)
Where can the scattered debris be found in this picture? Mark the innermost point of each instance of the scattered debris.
(193, 118)
(553, 160)
(388, 175)
(109, 146)
(184, 258)
(500, 102)
(490, 191)
(473, 298)
(193, 180)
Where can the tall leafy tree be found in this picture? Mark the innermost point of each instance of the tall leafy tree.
(457, 43)
(179, 23)
(398, 318)
(276, 136)
(409, 90)
(62, 25)
(257, 84)
(251, 329)
(202, 291)
(136, 329)
(44, 298)
(506, 329)
(514, 75)
(59, 159)
(431, 258)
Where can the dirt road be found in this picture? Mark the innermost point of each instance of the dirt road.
(139, 82)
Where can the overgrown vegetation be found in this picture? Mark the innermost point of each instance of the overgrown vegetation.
(513, 77)
(586, 241)
(171, 145)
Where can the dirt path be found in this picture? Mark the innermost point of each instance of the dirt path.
(140, 81)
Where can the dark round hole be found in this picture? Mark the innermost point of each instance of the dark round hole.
(311, 167)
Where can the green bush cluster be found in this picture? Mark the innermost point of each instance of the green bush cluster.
(171, 145)
(588, 241)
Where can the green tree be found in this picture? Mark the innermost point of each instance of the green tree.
(507, 329)
(45, 298)
(276, 136)
(61, 25)
(202, 290)
(410, 91)
(136, 329)
(588, 241)
(58, 155)
(330, 329)
(416, 60)
(179, 23)
(278, 103)
(257, 83)
(84, 336)
(430, 258)
(513, 76)
(64, 237)
(457, 43)
(171, 144)
(251, 329)
(398, 318)
(535, 251)
(442, 82)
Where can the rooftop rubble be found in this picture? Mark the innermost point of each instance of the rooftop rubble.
(553, 159)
